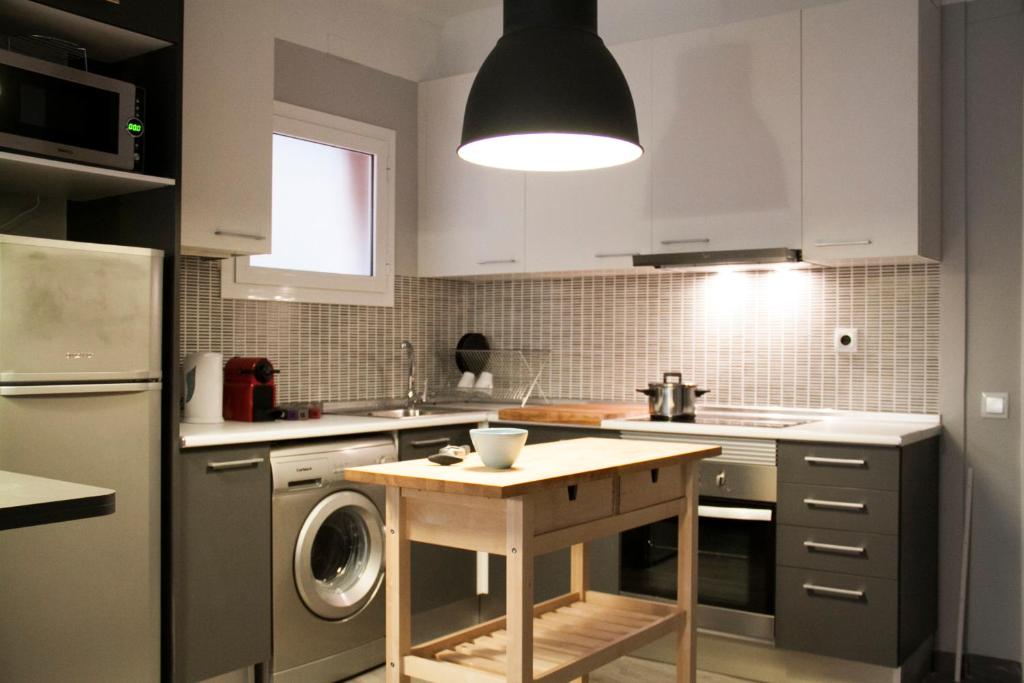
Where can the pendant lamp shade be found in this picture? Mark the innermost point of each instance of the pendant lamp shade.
(550, 96)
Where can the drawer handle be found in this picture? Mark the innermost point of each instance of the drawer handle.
(227, 465)
(496, 262)
(692, 240)
(243, 235)
(654, 476)
(843, 243)
(834, 504)
(838, 462)
(443, 441)
(837, 592)
(835, 549)
(572, 490)
(615, 254)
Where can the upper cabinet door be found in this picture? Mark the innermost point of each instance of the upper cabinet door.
(725, 142)
(591, 220)
(470, 217)
(227, 127)
(872, 146)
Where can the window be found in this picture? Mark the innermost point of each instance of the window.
(332, 230)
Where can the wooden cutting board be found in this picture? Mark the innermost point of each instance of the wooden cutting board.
(586, 414)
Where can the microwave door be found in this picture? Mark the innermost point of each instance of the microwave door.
(76, 312)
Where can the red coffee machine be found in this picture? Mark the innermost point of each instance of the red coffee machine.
(250, 394)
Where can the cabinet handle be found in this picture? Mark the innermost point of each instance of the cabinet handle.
(243, 235)
(692, 240)
(837, 592)
(443, 441)
(833, 504)
(494, 262)
(233, 464)
(838, 462)
(843, 243)
(615, 254)
(835, 549)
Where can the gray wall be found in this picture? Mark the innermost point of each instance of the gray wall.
(982, 280)
(319, 81)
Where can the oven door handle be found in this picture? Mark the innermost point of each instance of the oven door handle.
(739, 514)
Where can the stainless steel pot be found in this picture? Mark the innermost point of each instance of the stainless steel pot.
(672, 398)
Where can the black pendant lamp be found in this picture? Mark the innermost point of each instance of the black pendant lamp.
(550, 96)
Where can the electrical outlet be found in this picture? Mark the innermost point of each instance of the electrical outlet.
(845, 340)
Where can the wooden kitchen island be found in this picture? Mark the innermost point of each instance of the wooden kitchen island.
(557, 495)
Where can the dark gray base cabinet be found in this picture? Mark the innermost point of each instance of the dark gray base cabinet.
(857, 548)
(440, 576)
(221, 577)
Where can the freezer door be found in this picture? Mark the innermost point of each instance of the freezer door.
(81, 599)
(78, 312)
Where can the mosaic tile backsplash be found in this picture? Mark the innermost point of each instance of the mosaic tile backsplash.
(759, 338)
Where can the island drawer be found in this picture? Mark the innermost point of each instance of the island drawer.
(649, 487)
(847, 552)
(840, 465)
(832, 507)
(577, 503)
(837, 615)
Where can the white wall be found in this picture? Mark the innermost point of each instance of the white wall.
(371, 32)
(466, 39)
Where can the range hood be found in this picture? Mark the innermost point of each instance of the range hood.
(737, 257)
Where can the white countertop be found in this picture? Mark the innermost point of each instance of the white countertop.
(869, 429)
(227, 433)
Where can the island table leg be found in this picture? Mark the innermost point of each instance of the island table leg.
(686, 646)
(579, 581)
(519, 590)
(397, 585)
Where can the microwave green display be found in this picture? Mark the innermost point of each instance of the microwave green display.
(134, 127)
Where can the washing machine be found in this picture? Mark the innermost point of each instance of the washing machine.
(328, 560)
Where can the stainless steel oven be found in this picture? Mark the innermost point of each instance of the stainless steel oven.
(736, 544)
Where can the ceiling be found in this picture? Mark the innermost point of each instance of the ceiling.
(441, 10)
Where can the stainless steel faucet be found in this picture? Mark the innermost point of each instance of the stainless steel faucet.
(410, 396)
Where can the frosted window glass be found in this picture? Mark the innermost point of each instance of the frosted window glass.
(322, 217)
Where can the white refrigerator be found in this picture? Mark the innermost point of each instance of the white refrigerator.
(80, 401)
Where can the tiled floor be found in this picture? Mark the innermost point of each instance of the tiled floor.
(625, 670)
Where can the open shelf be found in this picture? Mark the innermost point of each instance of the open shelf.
(63, 179)
(105, 43)
(571, 637)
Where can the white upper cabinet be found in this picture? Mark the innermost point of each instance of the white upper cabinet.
(470, 217)
(227, 126)
(725, 140)
(591, 220)
(872, 146)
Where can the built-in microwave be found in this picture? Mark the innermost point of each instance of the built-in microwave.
(53, 110)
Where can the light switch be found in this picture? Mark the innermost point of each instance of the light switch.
(995, 404)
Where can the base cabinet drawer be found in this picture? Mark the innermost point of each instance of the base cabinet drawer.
(832, 507)
(846, 552)
(567, 506)
(840, 465)
(837, 615)
(649, 487)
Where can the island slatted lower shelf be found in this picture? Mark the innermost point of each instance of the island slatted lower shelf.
(571, 636)
(558, 495)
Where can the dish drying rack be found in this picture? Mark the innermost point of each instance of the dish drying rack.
(516, 372)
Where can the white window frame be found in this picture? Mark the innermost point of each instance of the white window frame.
(241, 280)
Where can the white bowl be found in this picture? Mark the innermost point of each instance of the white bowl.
(498, 447)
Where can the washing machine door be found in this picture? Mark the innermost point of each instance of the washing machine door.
(339, 555)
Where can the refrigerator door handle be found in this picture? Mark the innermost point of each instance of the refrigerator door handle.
(69, 389)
